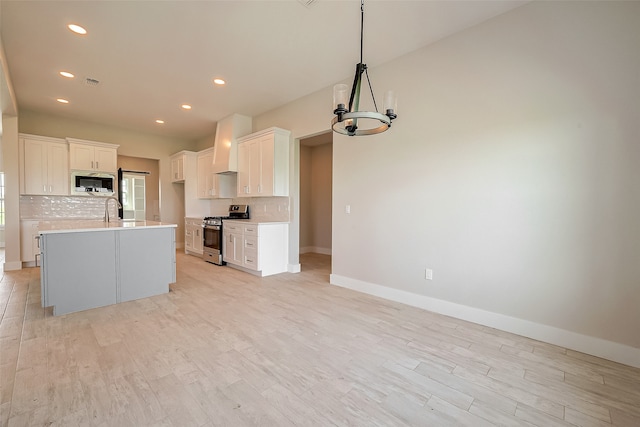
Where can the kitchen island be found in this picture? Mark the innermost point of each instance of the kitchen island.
(89, 264)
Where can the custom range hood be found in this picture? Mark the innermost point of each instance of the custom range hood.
(225, 148)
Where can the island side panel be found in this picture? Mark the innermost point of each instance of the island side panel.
(147, 262)
(274, 249)
(78, 270)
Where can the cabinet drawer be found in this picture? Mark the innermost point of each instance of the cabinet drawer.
(232, 228)
(250, 242)
(250, 230)
(250, 259)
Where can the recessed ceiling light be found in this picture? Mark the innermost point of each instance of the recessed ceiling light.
(160, 122)
(186, 106)
(219, 81)
(66, 74)
(62, 101)
(77, 29)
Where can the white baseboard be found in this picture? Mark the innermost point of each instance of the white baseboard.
(12, 265)
(586, 344)
(293, 268)
(315, 250)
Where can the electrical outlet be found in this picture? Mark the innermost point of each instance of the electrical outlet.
(428, 274)
(347, 209)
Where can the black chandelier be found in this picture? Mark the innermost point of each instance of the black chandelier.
(348, 121)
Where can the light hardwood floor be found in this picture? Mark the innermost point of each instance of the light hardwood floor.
(226, 348)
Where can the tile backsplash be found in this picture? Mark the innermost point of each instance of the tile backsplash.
(64, 207)
(261, 209)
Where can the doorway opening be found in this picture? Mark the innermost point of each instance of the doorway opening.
(316, 176)
(142, 187)
(133, 196)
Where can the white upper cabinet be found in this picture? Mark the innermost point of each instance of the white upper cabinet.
(206, 187)
(212, 185)
(44, 166)
(263, 163)
(177, 166)
(92, 156)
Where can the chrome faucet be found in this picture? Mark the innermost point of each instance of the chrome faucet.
(106, 207)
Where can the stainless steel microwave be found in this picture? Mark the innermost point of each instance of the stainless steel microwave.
(92, 184)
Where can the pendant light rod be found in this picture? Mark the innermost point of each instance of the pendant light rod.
(361, 29)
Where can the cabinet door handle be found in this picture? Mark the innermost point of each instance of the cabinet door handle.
(37, 241)
(44, 188)
(51, 189)
(97, 165)
(92, 165)
(36, 257)
(259, 188)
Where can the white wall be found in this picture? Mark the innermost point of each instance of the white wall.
(511, 172)
(11, 193)
(306, 222)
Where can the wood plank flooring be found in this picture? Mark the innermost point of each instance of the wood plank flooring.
(224, 348)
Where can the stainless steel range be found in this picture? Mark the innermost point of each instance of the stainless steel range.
(212, 233)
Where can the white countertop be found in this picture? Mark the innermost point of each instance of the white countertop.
(250, 221)
(74, 226)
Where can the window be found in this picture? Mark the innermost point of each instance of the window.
(1, 199)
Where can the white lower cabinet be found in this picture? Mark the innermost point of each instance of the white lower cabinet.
(232, 243)
(193, 239)
(259, 248)
(29, 248)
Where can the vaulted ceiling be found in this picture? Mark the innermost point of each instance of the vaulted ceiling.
(150, 57)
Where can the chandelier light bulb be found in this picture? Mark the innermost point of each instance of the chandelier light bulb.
(340, 98)
(390, 104)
